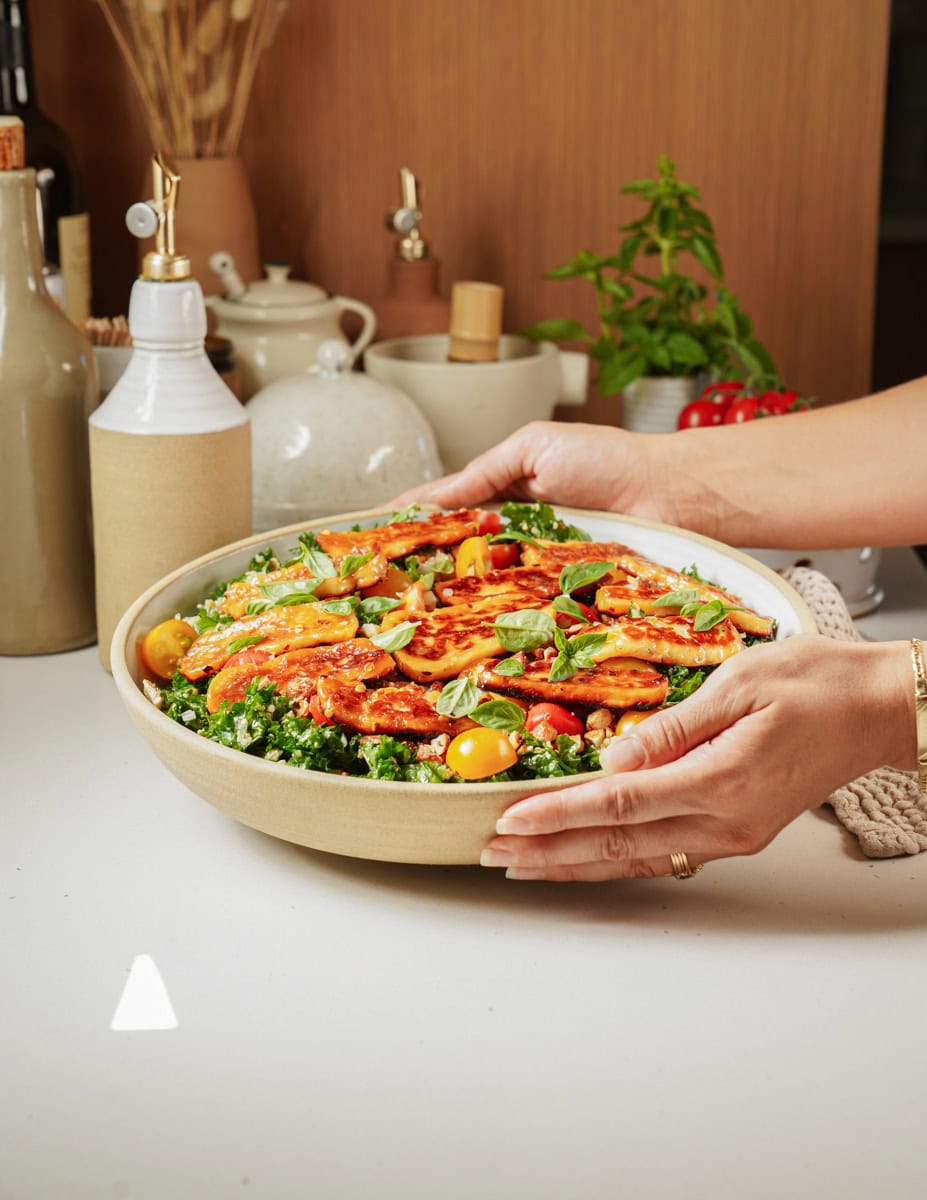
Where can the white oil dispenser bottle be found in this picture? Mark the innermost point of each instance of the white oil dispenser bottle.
(170, 447)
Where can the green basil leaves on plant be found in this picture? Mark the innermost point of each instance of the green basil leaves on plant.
(662, 323)
(526, 629)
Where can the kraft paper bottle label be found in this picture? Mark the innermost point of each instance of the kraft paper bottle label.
(158, 502)
(74, 249)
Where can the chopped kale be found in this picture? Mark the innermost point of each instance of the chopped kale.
(540, 521)
(562, 757)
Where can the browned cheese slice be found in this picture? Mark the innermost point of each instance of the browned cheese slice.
(297, 672)
(540, 582)
(551, 553)
(449, 640)
(392, 708)
(616, 683)
(279, 629)
(240, 594)
(670, 639)
(403, 537)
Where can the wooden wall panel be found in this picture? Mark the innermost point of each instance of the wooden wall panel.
(523, 118)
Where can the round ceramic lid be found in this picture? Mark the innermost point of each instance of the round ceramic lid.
(278, 290)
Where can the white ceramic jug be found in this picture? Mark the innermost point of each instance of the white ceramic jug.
(277, 324)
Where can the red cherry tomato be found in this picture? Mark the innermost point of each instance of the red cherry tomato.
(489, 523)
(558, 718)
(503, 554)
(251, 654)
(742, 410)
(774, 404)
(700, 413)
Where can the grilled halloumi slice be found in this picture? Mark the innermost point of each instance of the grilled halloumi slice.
(392, 708)
(449, 640)
(615, 683)
(634, 566)
(296, 673)
(240, 594)
(279, 629)
(543, 582)
(403, 537)
(667, 639)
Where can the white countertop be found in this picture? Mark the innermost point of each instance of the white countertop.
(356, 1030)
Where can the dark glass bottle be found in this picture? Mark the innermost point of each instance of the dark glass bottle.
(66, 226)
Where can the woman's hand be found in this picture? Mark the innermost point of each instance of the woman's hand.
(772, 732)
(583, 466)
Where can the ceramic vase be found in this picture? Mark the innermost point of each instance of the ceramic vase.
(652, 404)
(215, 211)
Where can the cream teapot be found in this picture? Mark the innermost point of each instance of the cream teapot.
(277, 324)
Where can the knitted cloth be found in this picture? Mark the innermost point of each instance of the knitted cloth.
(884, 810)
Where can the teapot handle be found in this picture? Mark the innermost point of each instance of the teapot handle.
(365, 337)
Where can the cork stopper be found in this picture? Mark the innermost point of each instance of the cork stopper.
(476, 322)
(12, 144)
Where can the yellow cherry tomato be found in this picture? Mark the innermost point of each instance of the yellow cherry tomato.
(473, 558)
(165, 645)
(479, 753)
(631, 718)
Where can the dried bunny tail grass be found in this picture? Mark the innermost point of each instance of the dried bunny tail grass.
(103, 331)
(193, 64)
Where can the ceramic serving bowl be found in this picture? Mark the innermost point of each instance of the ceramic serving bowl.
(363, 818)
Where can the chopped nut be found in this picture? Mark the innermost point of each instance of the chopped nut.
(595, 737)
(600, 718)
(153, 693)
(433, 751)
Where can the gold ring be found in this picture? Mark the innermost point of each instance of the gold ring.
(681, 868)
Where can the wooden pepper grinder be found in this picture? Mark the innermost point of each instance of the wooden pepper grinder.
(413, 304)
(476, 322)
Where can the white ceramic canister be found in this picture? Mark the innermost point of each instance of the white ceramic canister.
(277, 324)
(473, 406)
(334, 441)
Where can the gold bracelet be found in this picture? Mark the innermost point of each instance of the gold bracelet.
(920, 711)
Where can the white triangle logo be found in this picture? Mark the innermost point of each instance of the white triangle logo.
(144, 1003)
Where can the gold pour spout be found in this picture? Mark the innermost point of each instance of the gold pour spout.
(156, 217)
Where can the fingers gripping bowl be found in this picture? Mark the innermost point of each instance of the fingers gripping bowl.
(389, 820)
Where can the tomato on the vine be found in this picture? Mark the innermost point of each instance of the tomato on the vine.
(164, 646)
(700, 413)
(479, 753)
(555, 716)
(723, 394)
(775, 404)
(742, 410)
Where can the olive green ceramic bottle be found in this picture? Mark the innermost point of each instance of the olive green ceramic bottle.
(47, 391)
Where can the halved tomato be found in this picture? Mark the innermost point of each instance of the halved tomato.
(164, 646)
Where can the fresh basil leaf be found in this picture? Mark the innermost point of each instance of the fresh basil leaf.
(405, 514)
(679, 598)
(289, 591)
(311, 554)
(344, 605)
(512, 535)
(566, 604)
(242, 642)
(581, 575)
(563, 667)
(712, 614)
(499, 714)
(586, 643)
(372, 608)
(511, 667)
(353, 562)
(458, 697)
(635, 610)
(395, 638)
(560, 640)
(526, 629)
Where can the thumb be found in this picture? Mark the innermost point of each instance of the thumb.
(671, 733)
